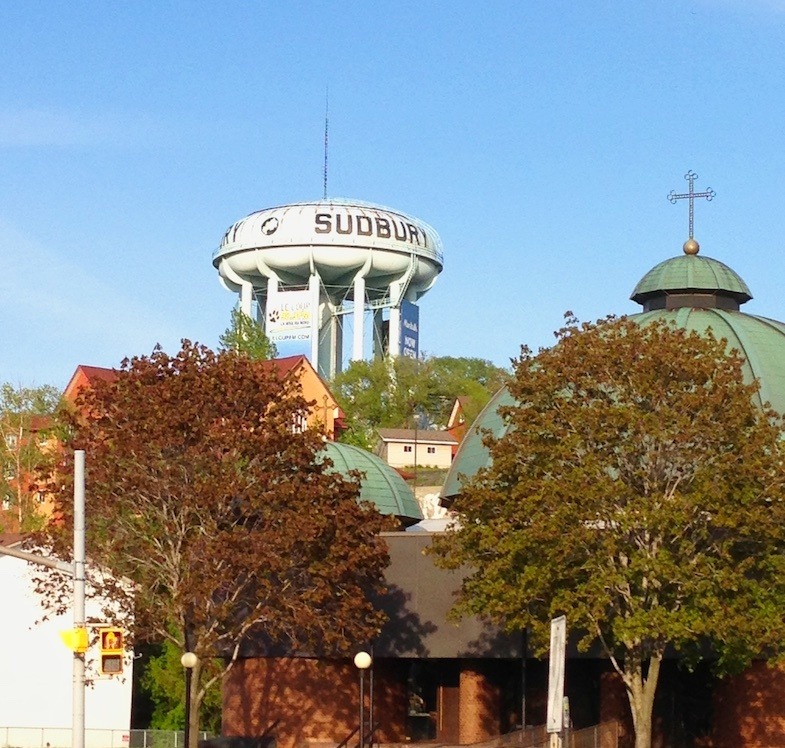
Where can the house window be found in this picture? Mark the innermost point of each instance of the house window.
(431, 450)
(11, 441)
(299, 423)
(407, 447)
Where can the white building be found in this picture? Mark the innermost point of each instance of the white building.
(420, 447)
(36, 685)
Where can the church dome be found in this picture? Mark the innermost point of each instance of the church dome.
(696, 294)
(691, 274)
(700, 294)
(380, 484)
(761, 341)
(472, 454)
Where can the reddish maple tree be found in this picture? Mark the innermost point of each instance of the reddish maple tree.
(208, 504)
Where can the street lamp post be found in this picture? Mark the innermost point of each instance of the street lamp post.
(362, 661)
(188, 661)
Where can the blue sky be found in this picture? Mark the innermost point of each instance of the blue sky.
(540, 139)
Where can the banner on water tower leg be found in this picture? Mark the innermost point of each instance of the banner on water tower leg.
(410, 330)
(288, 322)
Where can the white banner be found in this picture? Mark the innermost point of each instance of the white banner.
(555, 718)
(289, 316)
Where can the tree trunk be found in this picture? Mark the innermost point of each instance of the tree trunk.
(641, 691)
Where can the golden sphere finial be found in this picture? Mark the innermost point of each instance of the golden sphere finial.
(691, 247)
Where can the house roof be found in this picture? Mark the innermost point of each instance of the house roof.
(39, 422)
(419, 435)
(457, 410)
(87, 375)
(284, 366)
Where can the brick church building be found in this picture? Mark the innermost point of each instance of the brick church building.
(435, 680)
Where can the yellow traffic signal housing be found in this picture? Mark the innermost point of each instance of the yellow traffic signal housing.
(112, 650)
(75, 639)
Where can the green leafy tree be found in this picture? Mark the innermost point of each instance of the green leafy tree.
(474, 379)
(163, 680)
(246, 336)
(26, 425)
(394, 392)
(201, 503)
(382, 393)
(639, 492)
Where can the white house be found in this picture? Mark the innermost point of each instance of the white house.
(420, 447)
(36, 685)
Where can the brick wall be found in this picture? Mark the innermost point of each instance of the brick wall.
(306, 701)
(479, 703)
(749, 709)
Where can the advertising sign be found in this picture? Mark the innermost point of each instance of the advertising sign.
(410, 330)
(289, 322)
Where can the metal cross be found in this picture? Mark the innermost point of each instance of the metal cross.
(673, 196)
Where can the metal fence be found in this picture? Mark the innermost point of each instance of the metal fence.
(604, 735)
(53, 737)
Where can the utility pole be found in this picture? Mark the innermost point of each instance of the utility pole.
(80, 622)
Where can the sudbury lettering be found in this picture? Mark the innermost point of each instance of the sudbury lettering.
(362, 225)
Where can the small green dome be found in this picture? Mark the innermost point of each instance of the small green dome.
(691, 274)
(380, 484)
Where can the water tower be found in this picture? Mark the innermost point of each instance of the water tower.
(302, 269)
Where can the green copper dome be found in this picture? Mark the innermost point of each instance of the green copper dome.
(695, 293)
(472, 453)
(691, 273)
(760, 340)
(380, 484)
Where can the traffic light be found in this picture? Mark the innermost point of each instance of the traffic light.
(111, 643)
(75, 639)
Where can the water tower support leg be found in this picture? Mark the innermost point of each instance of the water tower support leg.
(359, 319)
(246, 298)
(395, 319)
(314, 283)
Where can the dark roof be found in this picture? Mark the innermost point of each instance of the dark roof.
(420, 435)
(419, 596)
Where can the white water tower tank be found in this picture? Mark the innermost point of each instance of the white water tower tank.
(308, 265)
